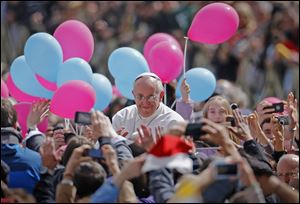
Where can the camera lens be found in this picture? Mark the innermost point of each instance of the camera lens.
(233, 106)
(281, 122)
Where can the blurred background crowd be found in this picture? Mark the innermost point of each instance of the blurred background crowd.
(261, 59)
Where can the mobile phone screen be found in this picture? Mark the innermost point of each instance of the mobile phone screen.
(194, 129)
(95, 153)
(278, 107)
(83, 118)
(225, 171)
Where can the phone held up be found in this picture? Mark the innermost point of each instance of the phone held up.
(225, 170)
(83, 118)
(278, 107)
(194, 130)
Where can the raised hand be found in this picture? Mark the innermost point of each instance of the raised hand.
(101, 125)
(185, 91)
(123, 132)
(218, 134)
(111, 159)
(292, 105)
(39, 110)
(76, 158)
(256, 130)
(49, 157)
(145, 139)
(262, 112)
(242, 130)
(277, 131)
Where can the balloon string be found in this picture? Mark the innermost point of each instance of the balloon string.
(67, 123)
(173, 104)
(165, 96)
(184, 59)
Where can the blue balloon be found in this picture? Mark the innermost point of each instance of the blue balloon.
(125, 88)
(24, 78)
(104, 92)
(74, 69)
(202, 84)
(44, 55)
(127, 63)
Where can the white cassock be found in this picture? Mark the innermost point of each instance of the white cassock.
(129, 119)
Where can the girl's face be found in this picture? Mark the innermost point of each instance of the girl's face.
(217, 112)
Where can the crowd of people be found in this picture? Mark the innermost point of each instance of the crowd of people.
(261, 58)
(104, 162)
(242, 144)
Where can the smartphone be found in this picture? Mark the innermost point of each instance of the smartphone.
(83, 118)
(231, 120)
(226, 171)
(278, 107)
(194, 130)
(94, 153)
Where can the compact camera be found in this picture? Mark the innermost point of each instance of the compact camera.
(283, 120)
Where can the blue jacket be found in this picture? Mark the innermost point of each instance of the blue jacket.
(24, 164)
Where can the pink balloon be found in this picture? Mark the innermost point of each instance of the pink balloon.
(214, 23)
(47, 84)
(157, 38)
(16, 93)
(4, 90)
(166, 61)
(73, 96)
(23, 109)
(75, 39)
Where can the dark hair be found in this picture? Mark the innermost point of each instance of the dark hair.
(88, 177)
(259, 167)
(74, 143)
(8, 114)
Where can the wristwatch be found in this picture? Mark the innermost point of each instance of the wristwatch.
(67, 182)
(104, 140)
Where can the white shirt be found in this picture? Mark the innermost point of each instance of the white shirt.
(129, 119)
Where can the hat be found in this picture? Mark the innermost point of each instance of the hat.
(147, 74)
(34, 140)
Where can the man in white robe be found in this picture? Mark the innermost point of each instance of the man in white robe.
(149, 110)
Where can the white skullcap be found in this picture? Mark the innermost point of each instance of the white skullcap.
(147, 74)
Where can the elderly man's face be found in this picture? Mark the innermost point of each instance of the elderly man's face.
(288, 169)
(146, 95)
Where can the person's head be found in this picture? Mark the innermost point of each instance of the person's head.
(88, 177)
(74, 143)
(266, 127)
(216, 109)
(288, 167)
(148, 93)
(8, 114)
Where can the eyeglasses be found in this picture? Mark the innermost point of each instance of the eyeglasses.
(289, 174)
(151, 98)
